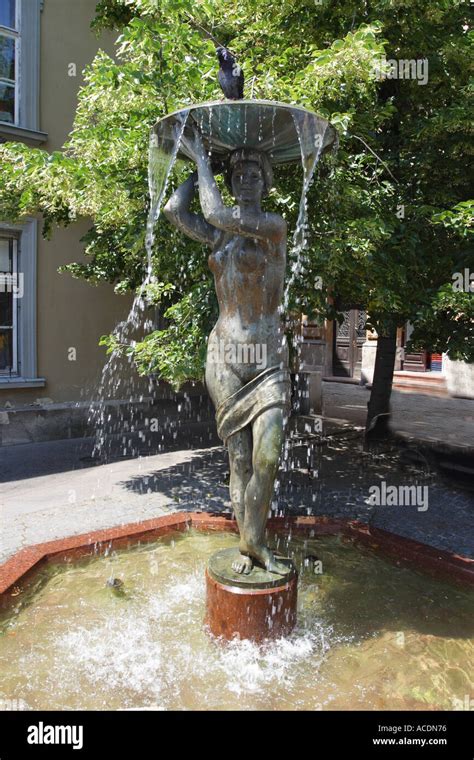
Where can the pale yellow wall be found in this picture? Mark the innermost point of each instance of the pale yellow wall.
(71, 313)
(66, 38)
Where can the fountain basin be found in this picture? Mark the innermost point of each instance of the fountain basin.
(369, 635)
(16, 572)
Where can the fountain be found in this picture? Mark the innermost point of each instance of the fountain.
(251, 592)
(113, 619)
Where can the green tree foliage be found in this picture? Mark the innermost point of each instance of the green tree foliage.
(446, 322)
(385, 227)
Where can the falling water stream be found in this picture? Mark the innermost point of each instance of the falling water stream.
(311, 135)
(161, 162)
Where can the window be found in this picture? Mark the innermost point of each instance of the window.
(9, 55)
(19, 69)
(8, 305)
(18, 246)
(8, 13)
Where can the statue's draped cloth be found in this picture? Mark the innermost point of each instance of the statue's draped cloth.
(271, 388)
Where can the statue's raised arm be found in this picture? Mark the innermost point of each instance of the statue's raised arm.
(178, 213)
(249, 180)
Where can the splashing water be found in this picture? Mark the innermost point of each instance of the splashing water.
(116, 375)
(369, 636)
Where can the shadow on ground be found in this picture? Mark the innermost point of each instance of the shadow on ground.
(333, 479)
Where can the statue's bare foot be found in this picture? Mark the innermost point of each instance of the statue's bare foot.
(265, 557)
(243, 564)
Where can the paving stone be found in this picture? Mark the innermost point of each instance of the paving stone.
(330, 475)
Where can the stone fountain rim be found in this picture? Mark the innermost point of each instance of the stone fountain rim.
(445, 565)
(244, 101)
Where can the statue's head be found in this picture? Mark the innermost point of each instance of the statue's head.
(249, 175)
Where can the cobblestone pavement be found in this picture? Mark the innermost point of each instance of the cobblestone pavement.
(417, 416)
(54, 489)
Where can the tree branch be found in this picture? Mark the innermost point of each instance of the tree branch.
(205, 31)
(376, 156)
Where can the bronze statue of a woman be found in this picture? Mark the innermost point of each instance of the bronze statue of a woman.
(247, 359)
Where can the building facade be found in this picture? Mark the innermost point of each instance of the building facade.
(345, 353)
(50, 323)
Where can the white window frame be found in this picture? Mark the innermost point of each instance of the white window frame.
(26, 359)
(27, 73)
(13, 372)
(14, 34)
(15, 310)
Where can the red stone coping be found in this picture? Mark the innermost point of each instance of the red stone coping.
(17, 569)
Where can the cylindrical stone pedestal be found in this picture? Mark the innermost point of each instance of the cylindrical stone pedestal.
(256, 606)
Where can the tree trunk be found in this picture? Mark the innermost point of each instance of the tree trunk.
(378, 408)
